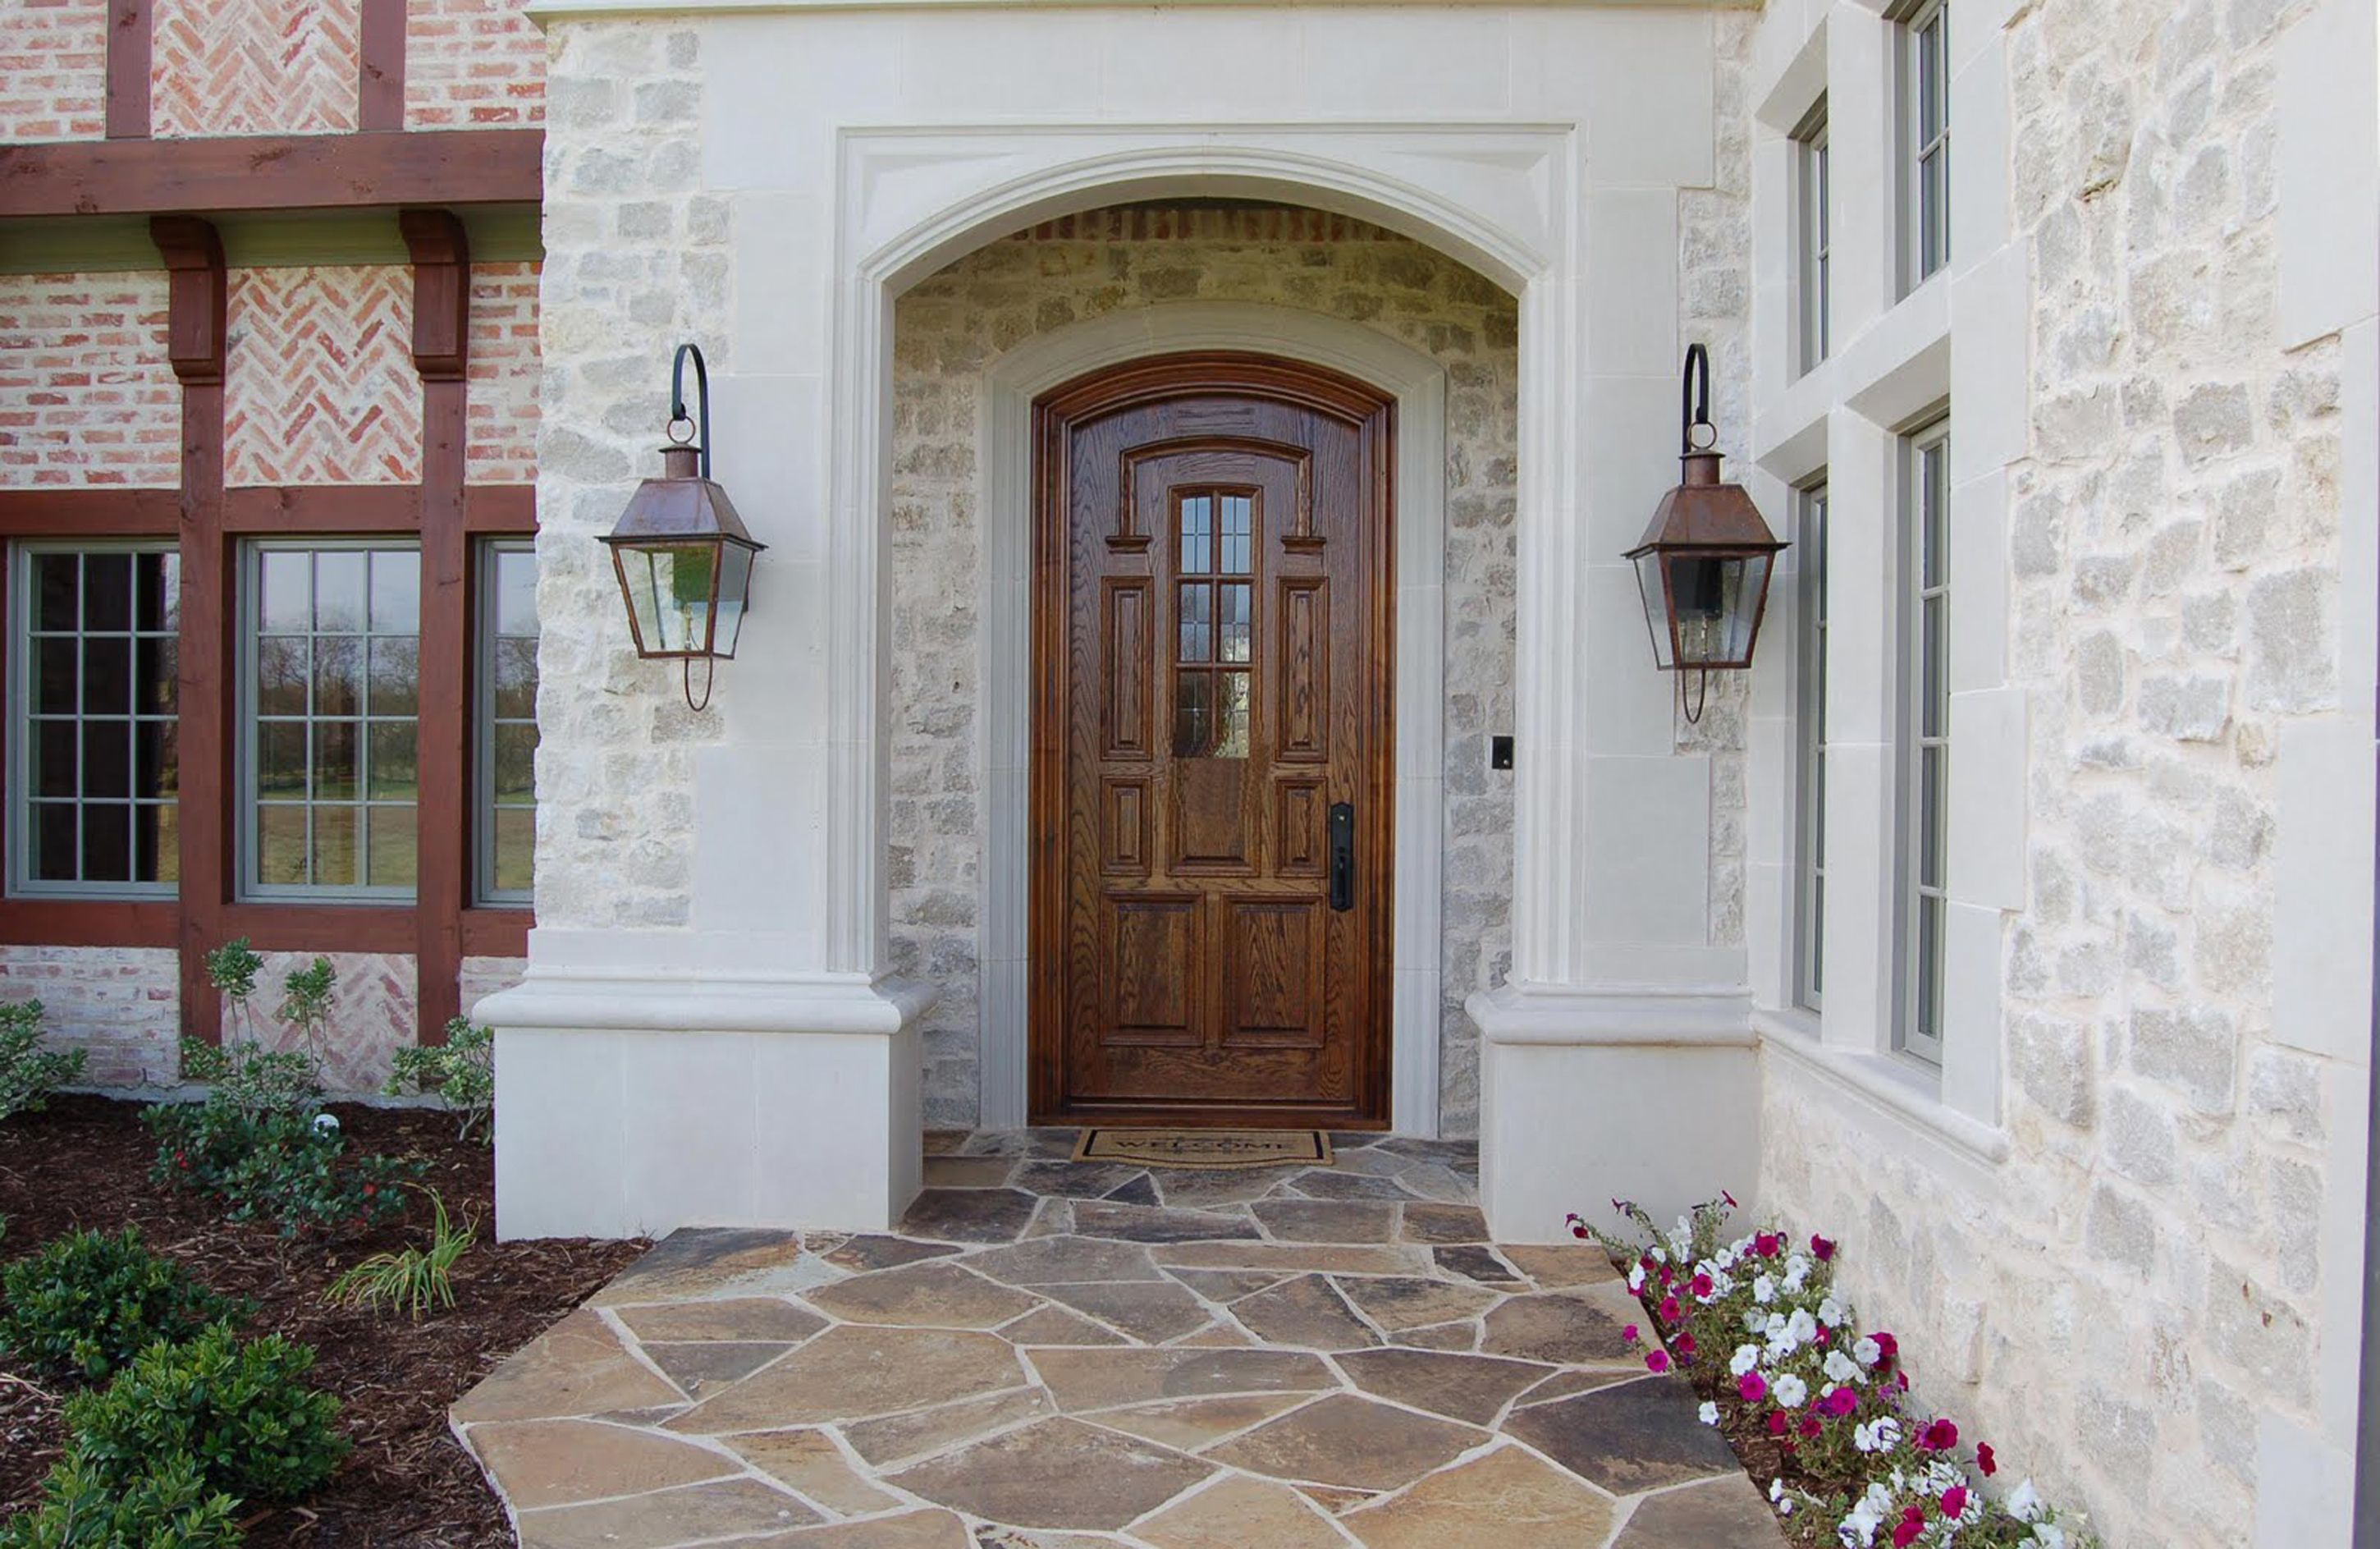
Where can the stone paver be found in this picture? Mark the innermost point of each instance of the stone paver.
(1049, 1355)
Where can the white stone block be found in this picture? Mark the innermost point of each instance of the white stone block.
(2322, 887)
(1979, 578)
(1648, 843)
(1629, 290)
(2328, 172)
(1991, 310)
(1195, 66)
(784, 254)
(773, 91)
(1987, 815)
(558, 1129)
(690, 1129)
(1979, 196)
(1442, 63)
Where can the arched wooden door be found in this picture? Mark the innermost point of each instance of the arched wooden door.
(1212, 745)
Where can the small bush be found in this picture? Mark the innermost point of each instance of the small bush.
(290, 1169)
(241, 1411)
(28, 1072)
(416, 1279)
(86, 1304)
(254, 1080)
(462, 1072)
(166, 1506)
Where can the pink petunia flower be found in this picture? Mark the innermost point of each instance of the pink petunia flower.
(1940, 1436)
(1777, 1424)
(1840, 1402)
(1671, 1310)
(1888, 1347)
(1729, 1198)
(1658, 1362)
(1768, 1245)
(1985, 1460)
(1954, 1500)
(1686, 1346)
(1751, 1387)
(1905, 1532)
(1822, 1249)
(1811, 1426)
(1700, 1285)
(1628, 1335)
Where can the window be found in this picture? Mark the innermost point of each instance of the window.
(1814, 239)
(96, 774)
(332, 673)
(1926, 109)
(1216, 596)
(505, 718)
(1810, 904)
(1924, 739)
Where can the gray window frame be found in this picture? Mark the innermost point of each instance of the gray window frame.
(248, 888)
(1924, 135)
(1810, 739)
(484, 720)
(1922, 860)
(1814, 239)
(22, 716)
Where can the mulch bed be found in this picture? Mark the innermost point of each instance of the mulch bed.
(84, 1164)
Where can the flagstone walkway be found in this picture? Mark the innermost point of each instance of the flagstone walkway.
(1052, 1355)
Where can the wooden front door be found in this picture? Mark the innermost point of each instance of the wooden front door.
(1212, 745)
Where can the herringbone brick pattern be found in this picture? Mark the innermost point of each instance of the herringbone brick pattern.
(501, 416)
(86, 397)
(53, 69)
(254, 66)
(472, 64)
(321, 387)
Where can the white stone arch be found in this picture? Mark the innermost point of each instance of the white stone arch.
(1010, 386)
(1503, 199)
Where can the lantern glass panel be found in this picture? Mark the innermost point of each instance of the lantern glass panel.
(735, 589)
(1656, 596)
(670, 589)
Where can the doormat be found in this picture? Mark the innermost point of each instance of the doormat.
(1206, 1148)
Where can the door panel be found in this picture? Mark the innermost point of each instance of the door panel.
(1212, 622)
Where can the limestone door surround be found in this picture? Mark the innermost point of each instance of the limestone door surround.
(746, 1062)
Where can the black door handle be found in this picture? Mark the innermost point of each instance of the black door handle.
(1342, 855)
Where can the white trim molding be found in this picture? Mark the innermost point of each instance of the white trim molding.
(1010, 384)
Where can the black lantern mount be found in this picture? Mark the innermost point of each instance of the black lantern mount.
(682, 554)
(1704, 565)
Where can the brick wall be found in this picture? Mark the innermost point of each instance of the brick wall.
(120, 1005)
(471, 64)
(254, 66)
(501, 414)
(86, 397)
(53, 69)
(321, 387)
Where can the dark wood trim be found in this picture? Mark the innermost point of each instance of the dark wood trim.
(493, 510)
(441, 320)
(230, 173)
(497, 933)
(380, 66)
(387, 928)
(85, 513)
(297, 509)
(193, 256)
(90, 923)
(1112, 390)
(130, 28)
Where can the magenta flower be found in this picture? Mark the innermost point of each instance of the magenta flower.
(1670, 1311)
(1821, 1248)
(1686, 1346)
(1752, 1387)
(1840, 1402)
(1658, 1362)
(1985, 1460)
(1940, 1436)
(1628, 1335)
(1729, 1198)
(1767, 1244)
(1954, 1500)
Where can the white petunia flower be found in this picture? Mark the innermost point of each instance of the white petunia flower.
(1764, 1290)
(1636, 1280)
(1802, 1326)
(1776, 1489)
(1746, 1357)
(1866, 1351)
(1754, 1321)
(1841, 1370)
(1708, 1413)
(2050, 1534)
(1789, 1391)
(1831, 1312)
(2024, 1502)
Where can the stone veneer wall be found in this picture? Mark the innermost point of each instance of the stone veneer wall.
(950, 326)
(2118, 1304)
(53, 69)
(86, 395)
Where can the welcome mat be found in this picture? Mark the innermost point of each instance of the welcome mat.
(1204, 1148)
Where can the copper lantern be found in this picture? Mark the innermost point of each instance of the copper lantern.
(1704, 565)
(682, 554)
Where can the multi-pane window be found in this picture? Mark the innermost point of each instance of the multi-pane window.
(1925, 738)
(1216, 598)
(1810, 904)
(1926, 134)
(332, 652)
(95, 763)
(507, 712)
(1816, 238)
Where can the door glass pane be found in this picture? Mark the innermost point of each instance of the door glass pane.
(1193, 714)
(1197, 624)
(1233, 626)
(1236, 542)
(1231, 741)
(1198, 535)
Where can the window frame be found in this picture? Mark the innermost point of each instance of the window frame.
(1810, 742)
(1814, 239)
(247, 590)
(485, 635)
(17, 700)
(1923, 607)
(1924, 81)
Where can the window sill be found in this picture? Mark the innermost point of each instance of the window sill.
(1891, 1084)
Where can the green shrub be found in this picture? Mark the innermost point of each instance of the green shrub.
(290, 1169)
(166, 1506)
(241, 1411)
(462, 1072)
(254, 1080)
(86, 1304)
(416, 1279)
(28, 1072)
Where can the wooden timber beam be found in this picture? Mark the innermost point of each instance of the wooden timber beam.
(230, 173)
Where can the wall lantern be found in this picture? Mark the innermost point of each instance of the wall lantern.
(1702, 567)
(682, 554)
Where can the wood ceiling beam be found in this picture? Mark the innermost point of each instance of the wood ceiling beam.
(273, 172)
